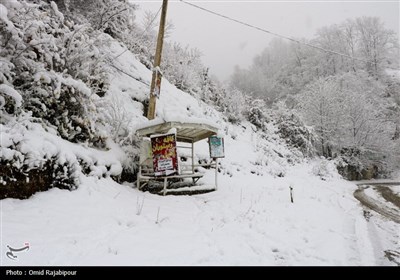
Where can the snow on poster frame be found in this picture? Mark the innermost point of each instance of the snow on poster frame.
(165, 159)
(216, 145)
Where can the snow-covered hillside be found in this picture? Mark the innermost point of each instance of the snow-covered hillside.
(249, 220)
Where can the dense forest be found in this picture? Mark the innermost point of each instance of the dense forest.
(345, 86)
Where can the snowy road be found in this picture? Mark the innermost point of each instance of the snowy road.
(383, 229)
(391, 211)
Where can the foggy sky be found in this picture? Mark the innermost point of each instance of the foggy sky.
(225, 44)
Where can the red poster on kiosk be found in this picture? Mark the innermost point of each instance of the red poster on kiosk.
(165, 159)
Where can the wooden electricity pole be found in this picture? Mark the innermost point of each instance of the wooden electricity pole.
(156, 78)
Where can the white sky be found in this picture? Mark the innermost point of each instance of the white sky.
(225, 44)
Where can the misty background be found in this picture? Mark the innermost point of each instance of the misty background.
(225, 44)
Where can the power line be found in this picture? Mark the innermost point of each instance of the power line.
(129, 75)
(140, 37)
(278, 35)
(266, 31)
(144, 31)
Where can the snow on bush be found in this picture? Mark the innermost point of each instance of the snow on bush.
(56, 11)
(255, 113)
(325, 169)
(31, 163)
(234, 105)
(55, 66)
(296, 134)
(6, 93)
(34, 158)
(53, 73)
(4, 18)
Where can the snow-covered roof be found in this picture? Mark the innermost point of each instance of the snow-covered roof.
(185, 131)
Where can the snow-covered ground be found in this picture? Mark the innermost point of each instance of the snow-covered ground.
(249, 220)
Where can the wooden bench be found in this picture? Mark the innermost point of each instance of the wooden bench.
(146, 178)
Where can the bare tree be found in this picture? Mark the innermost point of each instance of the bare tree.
(321, 107)
(374, 42)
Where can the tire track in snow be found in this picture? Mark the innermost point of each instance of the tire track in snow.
(368, 228)
(377, 206)
(388, 195)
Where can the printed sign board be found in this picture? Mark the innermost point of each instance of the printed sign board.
(165, 159)
(216, 147)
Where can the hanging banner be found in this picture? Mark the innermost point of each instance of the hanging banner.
(216, 147)
(165, 159)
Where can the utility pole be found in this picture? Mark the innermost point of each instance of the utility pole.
(156, 78)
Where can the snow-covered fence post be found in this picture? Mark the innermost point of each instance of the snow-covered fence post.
(139, 206)
(158, 214)
(291, 193)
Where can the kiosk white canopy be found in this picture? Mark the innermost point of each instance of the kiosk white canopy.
(185, 131)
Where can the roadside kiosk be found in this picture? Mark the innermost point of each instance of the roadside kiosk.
(167, 159)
